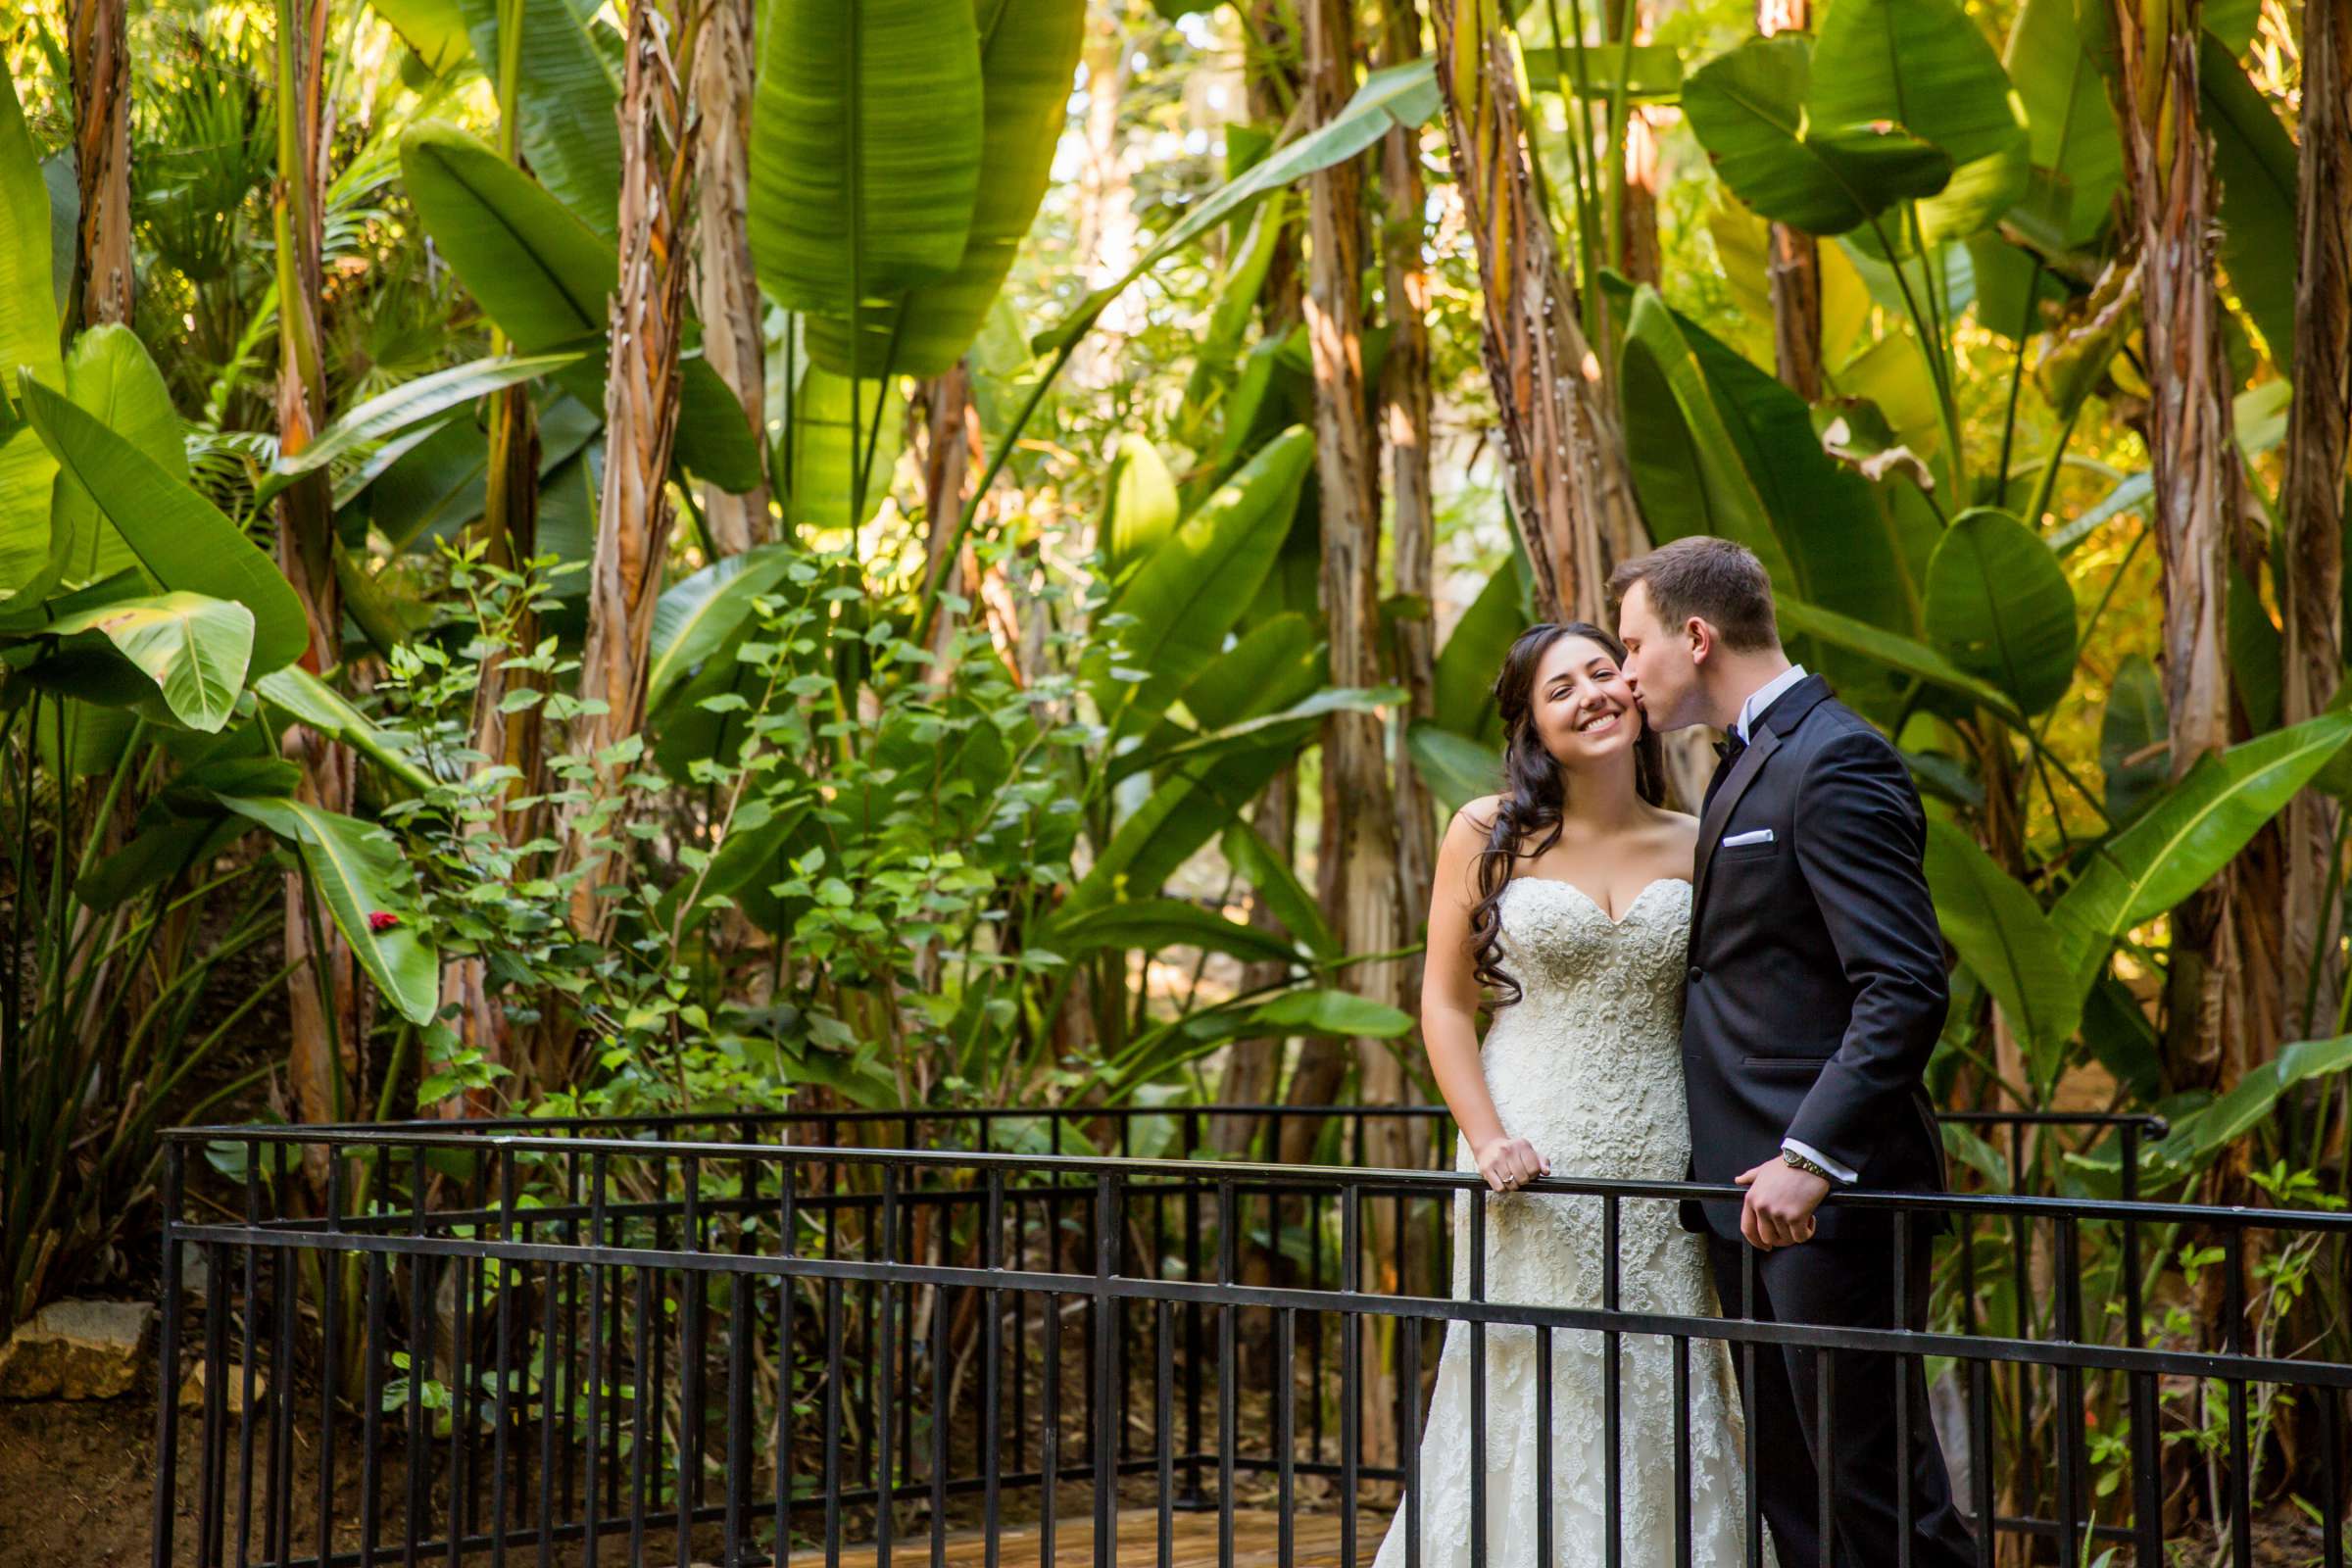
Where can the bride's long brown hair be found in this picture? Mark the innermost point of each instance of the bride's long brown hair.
(1535, 789)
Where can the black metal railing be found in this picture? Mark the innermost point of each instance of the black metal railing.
(688, 1340)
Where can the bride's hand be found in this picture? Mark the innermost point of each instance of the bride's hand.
(1508, 1162)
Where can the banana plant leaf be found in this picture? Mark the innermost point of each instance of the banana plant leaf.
(2002, 935)
(2252, 1101)
(2134, 740)
(1748, 108)
(1279, 887)
(1185, 596)
(1028, 53)
(2254, 160)
(1154, 923)
(2183, 841)
(567, 96)
(1403, 95)
(296, 695)
(356, 868)
(546, 277)
(697, 614)
(867, 132)
(1140, 505)
(109, 376)
(194, 648)
(433, 30)
(405, 410)
(182, 539)
(1998, 605)
(1654, 73)
(1924, 66)
(27, 342)
(1273, 665)
(1457, 769)
(2069, 124)
(833, 420)
(1464, 677)
(1903, 654)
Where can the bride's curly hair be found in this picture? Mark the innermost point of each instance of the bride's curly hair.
(1535, 791)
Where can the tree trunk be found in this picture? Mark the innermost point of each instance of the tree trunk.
(1405, 402)
(327, 1014)
(1252, 1070)
(1793, 258)
(2312, 497)
(1359, 875)
(1638, 257)
(641, 416)
(726, 292)
(2212, 1013)
(102, 261)
(1571, 493)
(950, 451)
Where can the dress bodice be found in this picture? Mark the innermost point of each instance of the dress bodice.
(1587, 1062)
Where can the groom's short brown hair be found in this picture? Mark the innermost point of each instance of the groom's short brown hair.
(1719, 581)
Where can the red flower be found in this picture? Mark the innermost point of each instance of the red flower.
(378, 920)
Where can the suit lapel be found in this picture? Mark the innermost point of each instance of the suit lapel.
(1719, 810)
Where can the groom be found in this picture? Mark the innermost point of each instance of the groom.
(1815, 992)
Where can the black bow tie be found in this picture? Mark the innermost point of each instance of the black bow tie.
(1730, 745)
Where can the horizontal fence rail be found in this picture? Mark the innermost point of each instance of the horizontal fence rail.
(690, 1341)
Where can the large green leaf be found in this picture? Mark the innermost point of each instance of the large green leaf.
(866, 143)
(2252, 1101)
(1188, 593)
(2068, 117)
(1466, 666)
(406, 409)
(2254, 160)
(1140, 505)
(27, 339)
(296, 694)
(195, 648)
(1278, 886)
(1924, 66)
(109, 376)
(1028, 53)
(435, 29)
(1903, 654)
(1154, 923)
(1653, 73)
(2178, 844)
(698, 613)
(1457, 769)
(567, 96)
(1340, 1013)
(1748, 108)
(2001, 933)
(1403, 95)
(1998, 605)
(356, 868)
(547, 279)
(1275, 664)
(182, 539)
(2133, 753)
(833, 420)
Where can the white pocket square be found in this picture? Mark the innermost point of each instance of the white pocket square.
(1761, 835)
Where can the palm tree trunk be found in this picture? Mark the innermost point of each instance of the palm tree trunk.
(1404, 401)
(102, 263)
(726, 291)
(2311, 496)
(1571, 493)
(328, 1014)
(1359, 875)
(641, 415)
(1638, 257)
(1794, 259)
(510, 533)
(2193, 457)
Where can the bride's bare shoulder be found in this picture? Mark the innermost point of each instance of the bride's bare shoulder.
(1677, 833)
(1476, 819)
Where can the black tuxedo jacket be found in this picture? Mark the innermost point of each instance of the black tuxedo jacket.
(1816, 989)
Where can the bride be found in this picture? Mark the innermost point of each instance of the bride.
(1568, 895)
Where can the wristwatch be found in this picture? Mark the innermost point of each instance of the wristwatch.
(1791, 1157)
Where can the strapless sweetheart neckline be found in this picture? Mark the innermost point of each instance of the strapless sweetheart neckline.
(1633, 904)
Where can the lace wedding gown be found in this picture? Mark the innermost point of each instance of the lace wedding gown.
(1588, 1067)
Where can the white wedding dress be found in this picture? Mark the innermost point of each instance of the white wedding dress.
(1588, 1067)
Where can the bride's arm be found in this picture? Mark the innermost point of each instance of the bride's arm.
(1449, 1015)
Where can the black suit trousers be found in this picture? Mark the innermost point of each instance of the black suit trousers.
(1876, 1402)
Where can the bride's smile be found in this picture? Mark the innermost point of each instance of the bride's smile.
(1585, 710)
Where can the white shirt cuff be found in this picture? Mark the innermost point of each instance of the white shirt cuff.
(1819, 1159)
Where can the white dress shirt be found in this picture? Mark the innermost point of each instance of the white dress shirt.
(1762, 698)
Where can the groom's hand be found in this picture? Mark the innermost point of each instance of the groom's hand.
(1780, 1201)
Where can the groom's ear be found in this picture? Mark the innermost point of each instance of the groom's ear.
(1701, 639)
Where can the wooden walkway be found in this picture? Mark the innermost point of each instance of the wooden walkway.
(1256, 1543)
